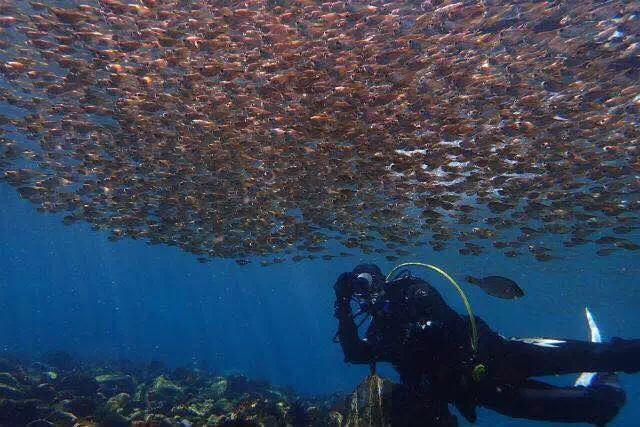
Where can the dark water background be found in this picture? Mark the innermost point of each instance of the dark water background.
(68, 288)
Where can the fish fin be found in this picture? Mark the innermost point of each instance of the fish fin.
(594, 331)
(587, 379)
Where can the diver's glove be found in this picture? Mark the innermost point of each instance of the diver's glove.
(344, 286)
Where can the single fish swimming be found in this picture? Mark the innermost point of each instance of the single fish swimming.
(497, 286)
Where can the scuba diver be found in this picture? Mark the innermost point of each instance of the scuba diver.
(440, 361)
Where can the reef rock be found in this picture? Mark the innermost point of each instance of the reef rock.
(20, 412)
(378, 402)
(8, 379)
(116, 383)
(165, 390)
(118, 403)
(78, 384)
(81, 405)
(370, 404)
(44, 391)
(41, 423)
(9, 392)
(218, 387)
(62, 418)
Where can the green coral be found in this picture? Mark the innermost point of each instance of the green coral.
(116, 383)
(165, 389)
(218, 388)
(118, 403)
(223, 406)
(50, 375)
(202, 408)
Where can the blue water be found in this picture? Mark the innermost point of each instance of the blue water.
(68, 288)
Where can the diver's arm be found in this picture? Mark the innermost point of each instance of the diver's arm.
(355, 349)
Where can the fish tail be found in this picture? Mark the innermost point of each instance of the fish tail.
(472, 280)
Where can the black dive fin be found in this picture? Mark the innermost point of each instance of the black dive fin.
(468, 410)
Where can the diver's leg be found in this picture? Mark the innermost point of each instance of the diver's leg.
(597, 404)
(513, 359)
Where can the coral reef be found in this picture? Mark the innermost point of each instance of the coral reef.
(62, 393)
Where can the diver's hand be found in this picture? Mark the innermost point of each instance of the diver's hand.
(344, 285)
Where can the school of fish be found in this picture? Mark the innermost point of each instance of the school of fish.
(295, 129)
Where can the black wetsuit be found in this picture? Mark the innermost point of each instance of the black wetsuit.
(429, 344)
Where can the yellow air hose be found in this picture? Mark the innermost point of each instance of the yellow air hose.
(463, 296)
